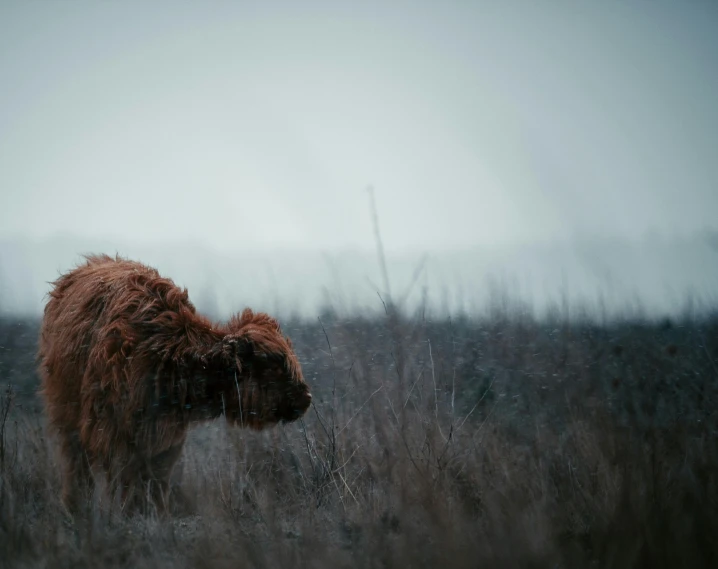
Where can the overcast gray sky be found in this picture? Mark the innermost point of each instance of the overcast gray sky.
(256, 124)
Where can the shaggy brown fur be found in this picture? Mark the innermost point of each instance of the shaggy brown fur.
(127, 364)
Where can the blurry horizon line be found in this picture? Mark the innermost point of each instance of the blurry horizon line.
(656, 277)
(708, 234)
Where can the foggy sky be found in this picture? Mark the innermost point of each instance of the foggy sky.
(252, 125)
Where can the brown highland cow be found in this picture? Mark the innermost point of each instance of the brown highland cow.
(127, 364)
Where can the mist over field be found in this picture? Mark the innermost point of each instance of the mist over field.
(558, 150)
(655, 277)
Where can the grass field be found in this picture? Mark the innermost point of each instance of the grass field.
(490, 442)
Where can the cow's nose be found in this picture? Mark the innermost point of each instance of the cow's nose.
(304, 400)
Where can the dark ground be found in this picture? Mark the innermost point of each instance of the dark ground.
(494, 442)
